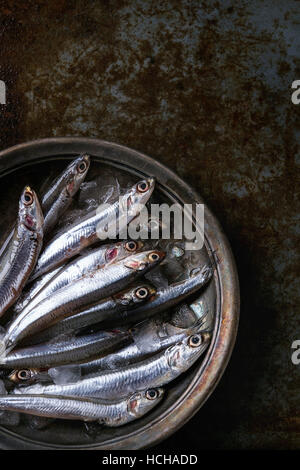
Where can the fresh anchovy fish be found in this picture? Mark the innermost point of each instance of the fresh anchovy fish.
(23, 251)
(110, 413)
(85, 233)
(84, 291)
(96, 259)
(153, 372)
(104, 311)
(29, 376)
(59, 196)
(149, 337)
(112, 307)
(74, 350)
(26, 297)
(57, 199)
(169, 296)
(61, 192)
(77, 167)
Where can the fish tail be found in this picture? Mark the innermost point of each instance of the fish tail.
(206, 271)
(198, 324)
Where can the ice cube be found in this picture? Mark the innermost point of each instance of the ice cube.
(65, 374)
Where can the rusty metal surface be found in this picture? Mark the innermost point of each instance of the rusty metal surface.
(204, 87)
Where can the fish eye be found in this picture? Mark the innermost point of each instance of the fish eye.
(131, 246)
(154, 257)
(23, 374)
(142, 293)
(28, 198)
(82, 167)
(195, 341)
(142, 187)
(151, 394)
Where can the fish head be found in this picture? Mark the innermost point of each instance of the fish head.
(145, 260)
(77, 171)
(126, 248)
(136, 295)
(142, 402)
(136, 198)
(183, 354)
(143, 293)
(23, 376)
(120, 250)
(30, 212)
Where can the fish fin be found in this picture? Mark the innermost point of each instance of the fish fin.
(198, 324)
(206, 270)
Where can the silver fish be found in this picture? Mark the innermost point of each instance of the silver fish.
(87, 232)
(112, 307)
(28, 295)
(61, 192)
(95, 259)
(149, 338)
(104, 312)
(59, 196)
(23, 251)
(110, 413)
(79, 166)
(169, 296)
(153, 372)
(28, 376)
(66, 351)
(84, 291)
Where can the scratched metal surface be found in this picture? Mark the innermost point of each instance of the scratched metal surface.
(204, 87)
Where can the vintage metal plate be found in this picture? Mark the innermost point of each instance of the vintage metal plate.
(32, 163)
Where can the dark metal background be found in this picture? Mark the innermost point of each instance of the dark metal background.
(204, 87)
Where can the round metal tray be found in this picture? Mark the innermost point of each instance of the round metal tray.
(187, 394)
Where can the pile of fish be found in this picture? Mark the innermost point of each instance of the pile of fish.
(84, 334)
